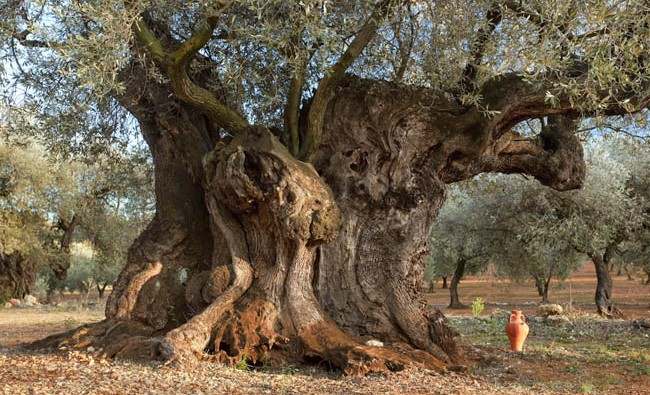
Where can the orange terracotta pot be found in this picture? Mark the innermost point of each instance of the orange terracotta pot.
(517, 330)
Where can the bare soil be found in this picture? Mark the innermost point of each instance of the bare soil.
(587, 355)
(631, 296)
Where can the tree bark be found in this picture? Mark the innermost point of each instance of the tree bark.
(604, 284)
(254, 254)
(17, 276)
(101, 289)
(453, 289)
(542, 284)
(444, 282)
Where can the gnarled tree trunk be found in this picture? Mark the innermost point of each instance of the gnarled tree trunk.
(254, 254)
(17, 276)
(604, 284)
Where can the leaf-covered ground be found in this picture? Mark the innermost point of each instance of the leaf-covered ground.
(587, 356)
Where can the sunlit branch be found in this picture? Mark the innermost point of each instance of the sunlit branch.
(176, 63)
(335, 73)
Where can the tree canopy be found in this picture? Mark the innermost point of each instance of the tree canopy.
(65, 62)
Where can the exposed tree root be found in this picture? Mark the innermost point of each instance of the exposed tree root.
(191, 338)
(127, 299)
(325, 340)
(112, 338)
(610, 312)
(248, 333)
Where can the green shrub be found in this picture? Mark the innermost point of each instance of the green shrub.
(478, 305)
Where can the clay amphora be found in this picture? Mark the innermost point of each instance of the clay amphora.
(517, 330)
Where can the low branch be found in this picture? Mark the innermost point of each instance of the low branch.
(175, 65)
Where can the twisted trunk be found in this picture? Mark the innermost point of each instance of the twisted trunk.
(254, 254)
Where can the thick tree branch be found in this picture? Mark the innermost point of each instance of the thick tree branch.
(405, 50)
(296, 51)
(554, 157)
(515, 99)
(175, 65)
(334, 75)
(292, 110)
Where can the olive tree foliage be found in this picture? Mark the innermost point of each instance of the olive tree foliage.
(61, 60)
(47, 202)
(515, 206)
(598, 218)
(493, 220)
(634, 252)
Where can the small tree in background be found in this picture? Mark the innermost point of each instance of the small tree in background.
(457, 249)
(47, 203)
(634, 253)
(598, 218)
(83, 263)
(25, 232)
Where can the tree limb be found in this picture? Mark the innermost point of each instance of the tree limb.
(493, 16)
(335, 73)
(555, 157)
(176, 63)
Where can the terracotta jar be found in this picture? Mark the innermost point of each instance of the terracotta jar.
(517, 330)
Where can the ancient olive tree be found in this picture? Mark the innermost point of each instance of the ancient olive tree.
(302, 151)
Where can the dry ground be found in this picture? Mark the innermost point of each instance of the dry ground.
(633, 297)
(589, 355)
